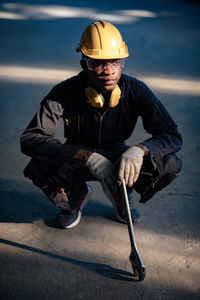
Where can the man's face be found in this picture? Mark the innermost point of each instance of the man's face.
(104, 74)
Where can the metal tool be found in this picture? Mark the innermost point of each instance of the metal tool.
(135, 259)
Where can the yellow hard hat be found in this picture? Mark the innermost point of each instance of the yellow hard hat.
(102, 40)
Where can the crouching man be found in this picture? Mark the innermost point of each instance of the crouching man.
(100, 107)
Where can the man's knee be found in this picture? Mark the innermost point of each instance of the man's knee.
(172, 165)
(41, 177)
(37, 173)
(149, 184)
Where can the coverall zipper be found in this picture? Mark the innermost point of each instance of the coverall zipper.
(100, 126)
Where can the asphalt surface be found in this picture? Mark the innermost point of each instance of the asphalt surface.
(39, 261)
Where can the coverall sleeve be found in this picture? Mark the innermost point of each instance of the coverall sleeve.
(157, 121)
(38, 140)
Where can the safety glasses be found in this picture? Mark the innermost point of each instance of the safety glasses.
(98, 65)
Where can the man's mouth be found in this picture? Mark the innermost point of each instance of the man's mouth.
(108, 81)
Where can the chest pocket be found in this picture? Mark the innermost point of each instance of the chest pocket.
(72, 127)
(82, 128)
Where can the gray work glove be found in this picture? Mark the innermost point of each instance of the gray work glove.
(102, 169)
(130, 164)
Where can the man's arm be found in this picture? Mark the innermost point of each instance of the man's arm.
(157, 121)
(38, 139)
(165, 137)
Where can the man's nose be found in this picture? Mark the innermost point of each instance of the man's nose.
(108, 69)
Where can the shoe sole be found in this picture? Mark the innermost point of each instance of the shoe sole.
(77, 221)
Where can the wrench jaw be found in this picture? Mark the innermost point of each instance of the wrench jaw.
(137, 266)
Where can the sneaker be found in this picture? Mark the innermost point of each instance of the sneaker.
(119, 209)
(69, 219)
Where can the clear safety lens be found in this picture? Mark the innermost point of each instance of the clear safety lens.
(98, 65)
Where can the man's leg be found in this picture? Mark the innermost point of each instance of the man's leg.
(148, 184)
(43, 177)
(113, 154)
(150, 181)
(65, 188)
(116, 199)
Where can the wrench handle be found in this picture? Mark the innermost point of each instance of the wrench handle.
(134, 257)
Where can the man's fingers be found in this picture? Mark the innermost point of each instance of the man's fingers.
(129, 171)
(126, 173)
(137, 172)
(131, 176)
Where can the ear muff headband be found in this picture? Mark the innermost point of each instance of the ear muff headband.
(97, 100)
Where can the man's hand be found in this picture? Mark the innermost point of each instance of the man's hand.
(102, 169)
(130, 164)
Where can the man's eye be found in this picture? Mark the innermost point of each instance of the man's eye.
(116, 63)
(97, 64)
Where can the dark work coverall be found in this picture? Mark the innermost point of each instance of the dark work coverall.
(105, 131)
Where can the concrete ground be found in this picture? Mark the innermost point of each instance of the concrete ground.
(39, 261)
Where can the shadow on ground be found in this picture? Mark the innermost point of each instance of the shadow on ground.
(21, 202)
(102, 269)
(119, 278)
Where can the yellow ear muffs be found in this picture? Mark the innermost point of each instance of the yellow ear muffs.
(97, 100)
(115, 96)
